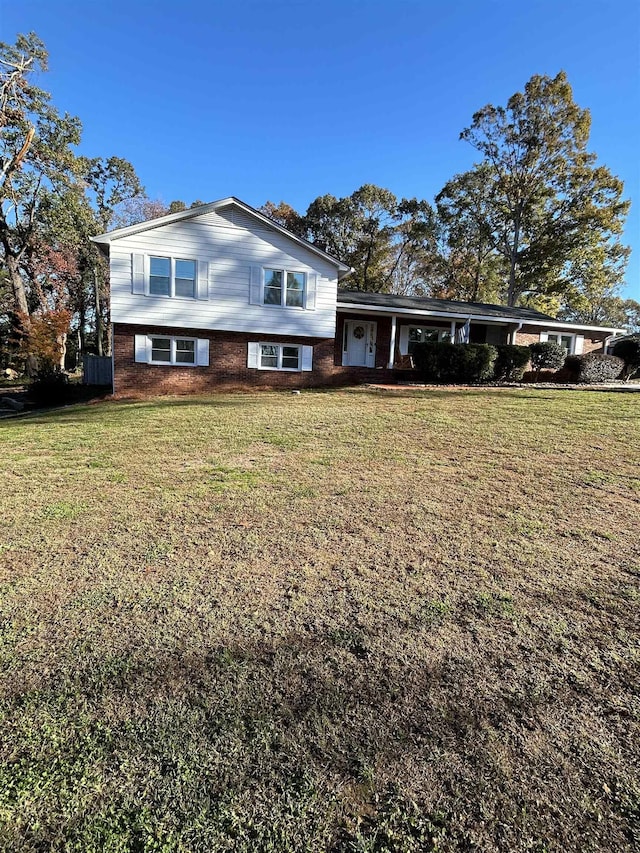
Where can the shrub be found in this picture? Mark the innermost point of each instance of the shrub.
(511, 362)
(547, 355)
(629, 351)
(49, 386)
(595, 367)
(464, 363)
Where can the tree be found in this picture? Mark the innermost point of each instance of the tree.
(549, 198)
(594, 277)
(36, 158)
(472, 270)
(389, 243)
(283, 214)
(110, 182)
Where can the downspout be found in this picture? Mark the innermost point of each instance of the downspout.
(515, 332)
(608, 340)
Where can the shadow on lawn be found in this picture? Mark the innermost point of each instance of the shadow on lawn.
(309, 734)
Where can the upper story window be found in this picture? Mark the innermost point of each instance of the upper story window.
(282, 287)
(172, 277)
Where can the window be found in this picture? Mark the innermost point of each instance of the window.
(173, 350)
(566, 341)
(172, 277)
(279, 357)
(284, 288)
(423, 334)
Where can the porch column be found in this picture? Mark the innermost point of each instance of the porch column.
(453, 331)
(392, 342)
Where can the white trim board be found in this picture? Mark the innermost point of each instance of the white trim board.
(350, 308)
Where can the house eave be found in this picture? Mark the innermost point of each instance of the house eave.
(386, 311)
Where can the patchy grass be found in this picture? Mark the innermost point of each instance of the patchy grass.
(344, 621)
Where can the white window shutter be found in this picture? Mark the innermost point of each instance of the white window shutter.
(203, 279)
(544, 337)
(404, 340)
(255, 286)
(307, 358)
(310, 291)
(202, 348)
(141, 351)
(137, 274)
(579, 345)
(253, 354)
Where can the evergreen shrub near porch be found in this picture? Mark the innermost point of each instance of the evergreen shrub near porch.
(455, 363)
(511, 362)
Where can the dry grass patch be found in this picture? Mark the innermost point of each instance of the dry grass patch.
(357, 621)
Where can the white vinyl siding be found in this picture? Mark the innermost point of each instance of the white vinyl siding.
(232, 245)
(171, 350)
(263, 355)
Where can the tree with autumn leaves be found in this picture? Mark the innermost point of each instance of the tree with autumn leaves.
(51, 202)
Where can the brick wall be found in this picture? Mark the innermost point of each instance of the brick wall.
(227, 368)
(593, 341)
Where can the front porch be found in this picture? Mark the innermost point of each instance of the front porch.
(387, 341)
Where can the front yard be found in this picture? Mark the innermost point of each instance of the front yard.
(348, 621)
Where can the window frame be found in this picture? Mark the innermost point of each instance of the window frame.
(173, 339)
(173, 259)
(555, 338)
(280, 355)
(444, 335)
(284, 289)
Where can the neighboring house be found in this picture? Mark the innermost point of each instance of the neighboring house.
(220, 296)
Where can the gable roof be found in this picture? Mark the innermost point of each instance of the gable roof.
(448, 308)
(118, 233)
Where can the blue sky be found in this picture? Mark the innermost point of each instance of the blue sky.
(287, 100)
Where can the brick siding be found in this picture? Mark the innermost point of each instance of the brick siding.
(227, 368)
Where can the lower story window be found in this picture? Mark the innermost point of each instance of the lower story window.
(173, 350)
(565, 341)
(423, 334)
(279, 357)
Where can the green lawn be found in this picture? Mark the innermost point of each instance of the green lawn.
(341, 621)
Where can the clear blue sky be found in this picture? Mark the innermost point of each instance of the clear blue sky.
(288, 100)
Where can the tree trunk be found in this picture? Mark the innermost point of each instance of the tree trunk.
(62, 343)
(20, 303)
(99, 324)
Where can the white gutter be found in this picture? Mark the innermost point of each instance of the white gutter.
(353, 308)
(515, 331)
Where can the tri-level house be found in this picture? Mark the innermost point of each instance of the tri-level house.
(219, 296)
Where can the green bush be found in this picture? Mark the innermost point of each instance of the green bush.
(547, 356)
(455, 363)
(594, 367)
(629, 351)
(511, 362)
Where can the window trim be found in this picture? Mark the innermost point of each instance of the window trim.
(444, 334)
(173, 345)
(280, 347)
(172, 278)
(554, 338)
(283, 295)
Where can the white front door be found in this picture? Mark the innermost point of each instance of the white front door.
(359, 345)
